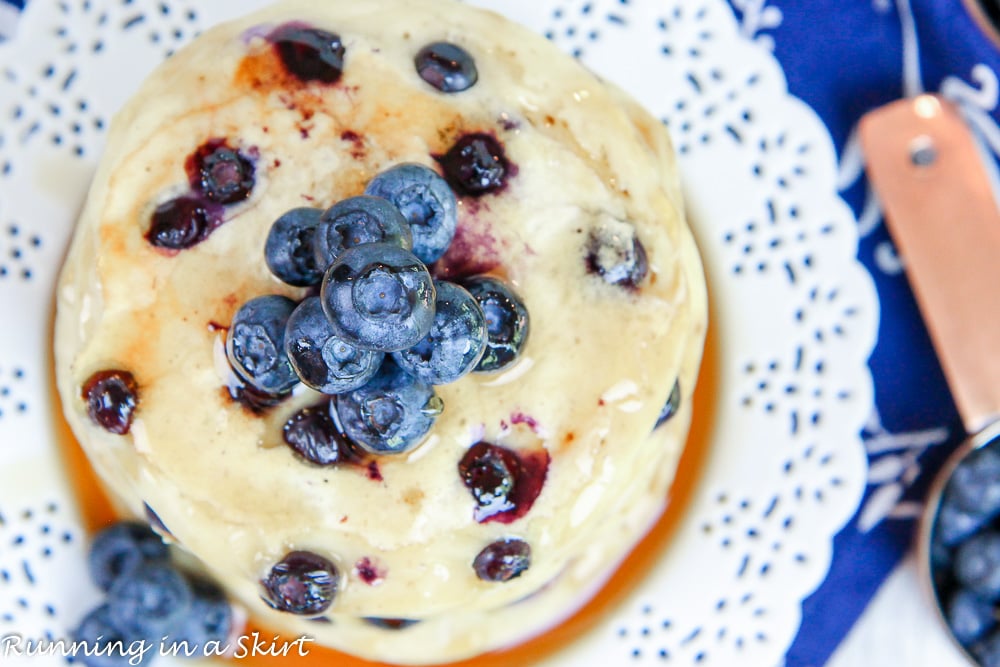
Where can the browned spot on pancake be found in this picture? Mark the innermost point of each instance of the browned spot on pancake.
(413, 497)
(231, 300)
(112, 238)
(263, 72)
(569, 437)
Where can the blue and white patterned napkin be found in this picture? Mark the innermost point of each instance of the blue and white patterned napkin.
(846, 57)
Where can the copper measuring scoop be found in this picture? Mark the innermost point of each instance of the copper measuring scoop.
(940, 210)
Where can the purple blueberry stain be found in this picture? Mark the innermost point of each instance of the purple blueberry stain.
(503, 483)
(369, 571)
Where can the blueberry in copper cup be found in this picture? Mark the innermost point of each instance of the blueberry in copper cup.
(959, 546)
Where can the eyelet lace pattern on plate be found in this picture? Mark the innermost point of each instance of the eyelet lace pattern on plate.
(794, 313)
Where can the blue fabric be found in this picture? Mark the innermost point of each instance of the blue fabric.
(846, 57)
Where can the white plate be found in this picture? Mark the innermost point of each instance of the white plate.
(794, 314)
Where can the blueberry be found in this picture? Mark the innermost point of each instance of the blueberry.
(490, 473)
(476, 164)
(455, 343)
(109, 645)
(506, 322)
(969, 616)
(671, 406)
(221, 173)
(389, 415)
(427, 203)
(975, 484)
(379, 297)
(210, 618)
(302, 583)
(446, 66)
(323, 360)
(150, 601)
(111, 397)
(290, 251)
(255, 344)
(615, 253)
(183, 222)
(953, 525)
(389, 623)
(977, 565)
(122, 548)
(503, 560)
(987, 651)
(309, 54)
(358, 220)
(313, 435)
(155, 522)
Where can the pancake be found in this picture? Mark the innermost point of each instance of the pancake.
(589, 182)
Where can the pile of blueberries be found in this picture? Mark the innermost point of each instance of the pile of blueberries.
(965, 553)
(149, 600)
(380, 331)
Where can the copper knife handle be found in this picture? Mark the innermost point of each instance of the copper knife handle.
(939, 207)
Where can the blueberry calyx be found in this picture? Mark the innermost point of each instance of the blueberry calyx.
(455, 343)
(379, 296)
(389, 415)
(425, 201)
(322, 359)
(357, 221)
(255, 344)
(290, 247)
